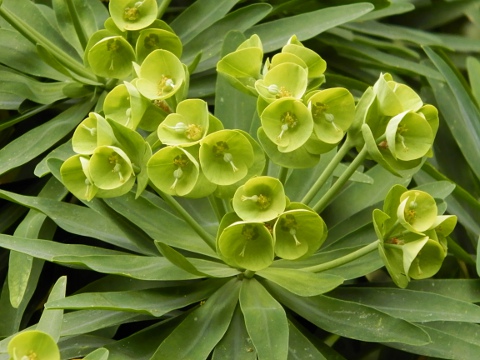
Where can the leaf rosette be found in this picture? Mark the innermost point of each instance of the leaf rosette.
(261, 198)
(225, 156)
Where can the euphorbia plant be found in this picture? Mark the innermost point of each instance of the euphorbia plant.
(222, 230)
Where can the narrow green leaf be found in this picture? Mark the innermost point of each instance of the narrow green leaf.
(188, 264)
(351, 319)
(265, 320)
(52, 320)
(414, 306)
(200, 16)
(300, 282)
(156, 302)
(299, 347)
(473, 68)
(74, 218)
(449, 340)
(206, 325)
(20, 54)
(459, 289)
(236, 344)
(36, 141)
(468, 124)
(99, 354)
(274, 34)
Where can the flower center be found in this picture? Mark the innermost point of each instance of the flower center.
(165, 85)
(289, 121)
(263, 202)
(220, 149)
(289, 224)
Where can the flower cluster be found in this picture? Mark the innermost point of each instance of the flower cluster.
(298, 121)
(264, 224)
(412, 234)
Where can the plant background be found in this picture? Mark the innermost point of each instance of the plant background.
(431, 45)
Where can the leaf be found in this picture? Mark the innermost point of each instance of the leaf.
(156, 302)
(206, 325)
(199, 16)
(299, 347)
(36, 141)
(274, 34)
(466, 127)
(99, 354)
(300, 282)
(265, 320)
(409, 305)
(20, 54)
(449, 340)
(52, 320)
(236, 344)
(473, 67)
(351, 319)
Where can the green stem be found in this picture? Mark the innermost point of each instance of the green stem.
(36, 38)
(282, 176)
(459, 252)
(344, 259)
(342, 151)
(209, 239)
(323, 202)
(218, 206)
(162, 8)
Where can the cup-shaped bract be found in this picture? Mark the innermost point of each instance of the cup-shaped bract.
(284, 80)
(225, 156)
(409, 136)
(133, 14)
(110, 168)
(161, 75)
(246, 245)
(417, 211)
(187, 126)
(288, 123)
(92, 132)
(111, 57)
(392, 257)
(173, 170)
(299, 158)
(422, 258)
(298, 234)
(33, 344)
(261, 198)
(333, 111)
(125, 105)
(242, 67)
(153, 38)
(394, 98)
(76, 177)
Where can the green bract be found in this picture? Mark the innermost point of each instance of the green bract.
(110, 168)
(225, 156)
(33, 344)
(417, 211)
(287, 123)
(152, 39)
(125, 105)
(284, 80)
(173, 170)
(333, 111)
(132, 14)
(76, 177)
(188, 125)
(242, 67)
(111, 57)
(298, 233)
(161, 75)
(246, 245)
(92, 132)
(262, 199)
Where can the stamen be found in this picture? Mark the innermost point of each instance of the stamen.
(93, 131)
(227, 157)
(293, 232)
